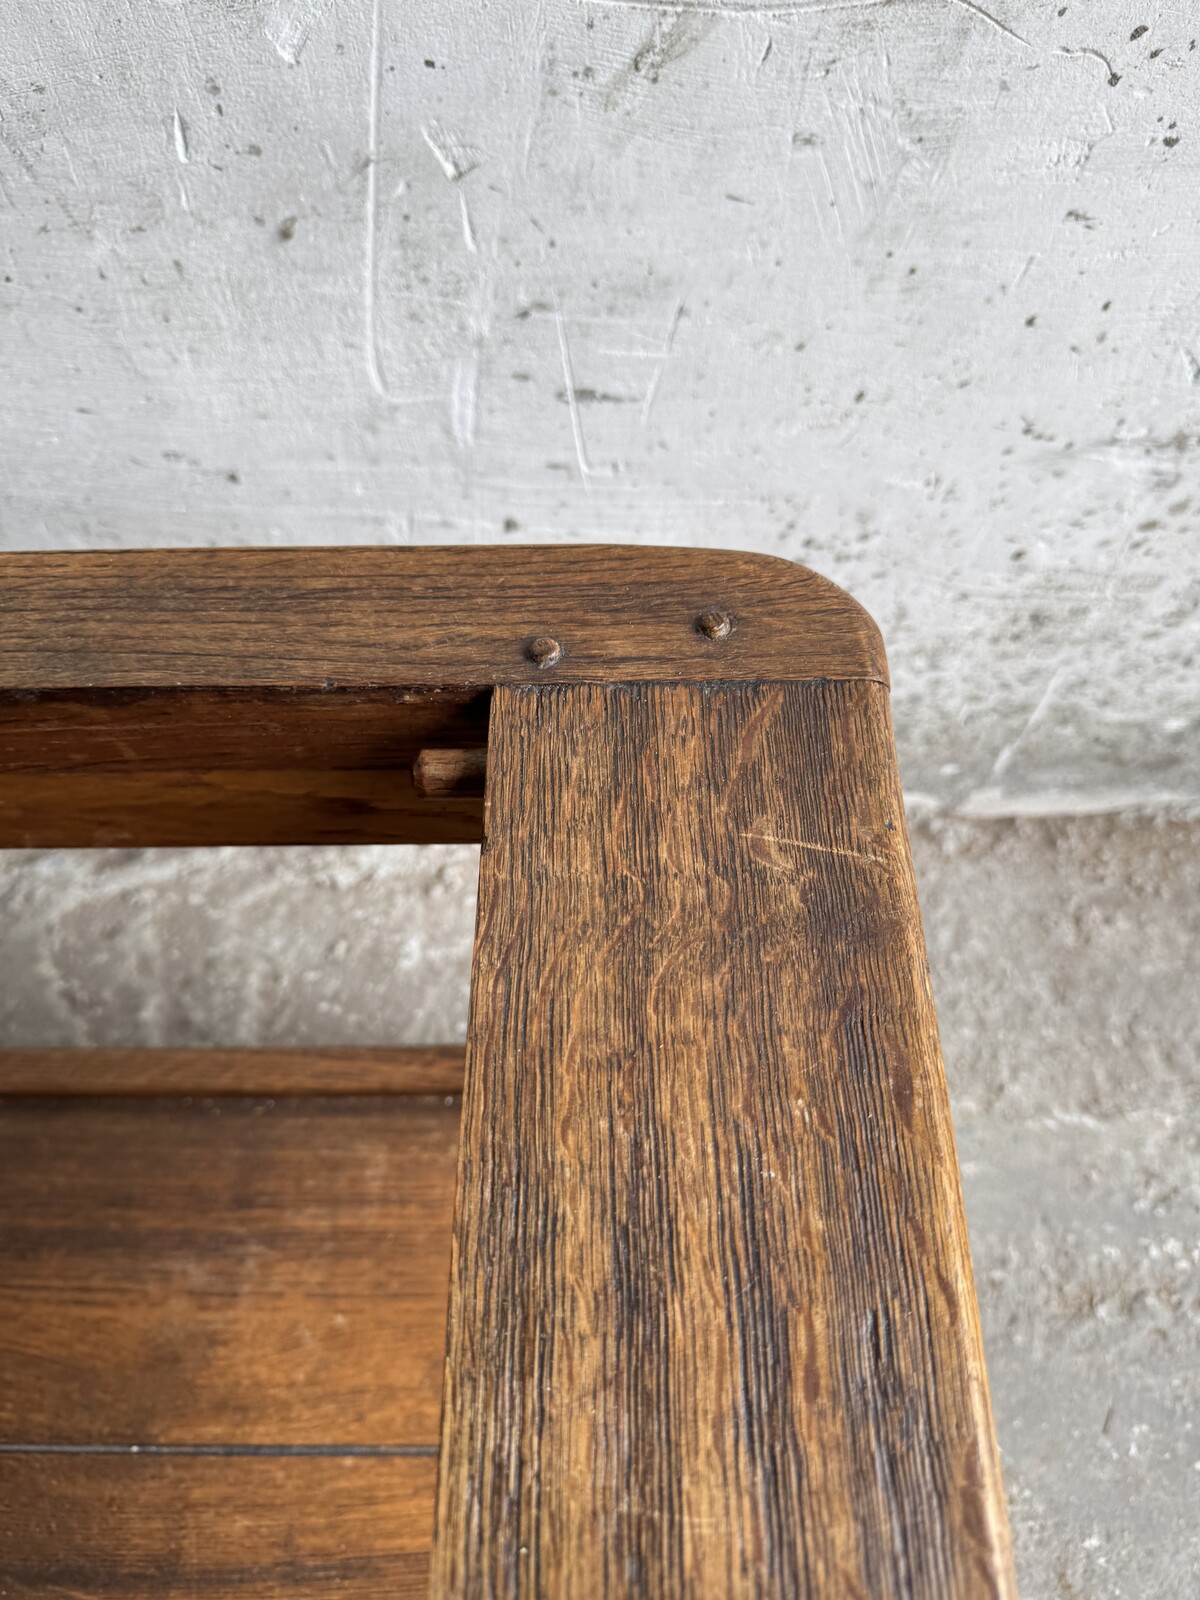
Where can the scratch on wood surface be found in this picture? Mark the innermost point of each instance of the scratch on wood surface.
(818, 849)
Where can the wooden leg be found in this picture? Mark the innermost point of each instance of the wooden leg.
(712, 1324)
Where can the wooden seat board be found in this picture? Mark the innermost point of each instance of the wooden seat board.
(229, 1270)
(203, 1528)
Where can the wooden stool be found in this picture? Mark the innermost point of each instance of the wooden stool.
(711, 1322)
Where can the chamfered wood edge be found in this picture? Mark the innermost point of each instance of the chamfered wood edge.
(434, 617)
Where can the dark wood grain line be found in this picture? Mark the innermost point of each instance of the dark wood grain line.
(712, 1325)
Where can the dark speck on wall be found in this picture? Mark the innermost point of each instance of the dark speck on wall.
(287, 229)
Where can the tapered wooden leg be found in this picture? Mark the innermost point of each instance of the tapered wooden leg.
(712, 1325)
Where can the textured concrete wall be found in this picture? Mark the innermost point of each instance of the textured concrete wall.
(909, 290)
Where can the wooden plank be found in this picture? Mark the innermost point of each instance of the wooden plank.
(226, 1271)
(420, 618)
(432, 1069)
(68, 810)
(207, 697)
(712, 1326)
(170, 767)
(265, 729)
(91, 1528)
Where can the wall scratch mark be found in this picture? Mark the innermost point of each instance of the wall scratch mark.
(1029, 261)
(375, 372)
(467, 228)
(1095, 55)
(455, 161)
(994, 22)
(180, 133)
(660, 368)
(581, 455)
(70, 160)
(464, 398)
(289, 25)
(1004, 759)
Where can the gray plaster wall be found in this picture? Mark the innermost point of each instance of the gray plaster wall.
(908, 290)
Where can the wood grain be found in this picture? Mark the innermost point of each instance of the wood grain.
(120, 1528)
(62, 811)
(173, 767)
(47, 730)
(226, 1271)
(712, 1324)
(450, 772)
(433, 1069)
(210, 697)
(421, 617)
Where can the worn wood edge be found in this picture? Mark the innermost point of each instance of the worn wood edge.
(409, 1070)
(433, 617)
